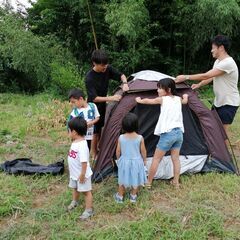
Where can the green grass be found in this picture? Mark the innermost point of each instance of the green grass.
(34, 207)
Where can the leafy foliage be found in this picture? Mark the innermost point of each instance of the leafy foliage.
(66, 77)
(55, 40)
(28, 59)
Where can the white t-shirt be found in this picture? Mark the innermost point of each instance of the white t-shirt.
(225, 86)
(88, 114)
(170, 116)
(78, 154)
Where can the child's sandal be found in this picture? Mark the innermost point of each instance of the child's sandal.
(148, 186)
(176, 185)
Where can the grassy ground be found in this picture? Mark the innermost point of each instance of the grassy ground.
(206, 207)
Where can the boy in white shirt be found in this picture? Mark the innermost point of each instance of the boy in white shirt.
(79, 167)
(86, 110)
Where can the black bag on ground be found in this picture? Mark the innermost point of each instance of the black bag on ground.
(25, 166)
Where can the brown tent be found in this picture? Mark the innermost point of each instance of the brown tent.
(203, 147)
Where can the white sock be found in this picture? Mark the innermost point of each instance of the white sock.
(89, 210)
(121, 197)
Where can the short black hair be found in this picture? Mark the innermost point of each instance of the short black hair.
(99, 57)
(130, 123)
(76, 94)
(167, 83)
(222, 40)
(78, 124)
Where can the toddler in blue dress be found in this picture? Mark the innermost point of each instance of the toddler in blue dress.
(131, 155)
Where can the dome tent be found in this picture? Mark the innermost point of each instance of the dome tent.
(203, 148)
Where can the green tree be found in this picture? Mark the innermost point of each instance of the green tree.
(130, 42)
(27, 60)
(23, 53)
(200, 20)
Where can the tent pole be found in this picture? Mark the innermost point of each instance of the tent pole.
(234, 157)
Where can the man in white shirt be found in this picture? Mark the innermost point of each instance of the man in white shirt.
(224, 75)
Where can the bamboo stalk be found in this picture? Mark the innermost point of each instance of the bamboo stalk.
(93, 30)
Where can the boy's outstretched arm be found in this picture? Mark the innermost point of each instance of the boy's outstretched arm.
(184, 98)
(152, 101)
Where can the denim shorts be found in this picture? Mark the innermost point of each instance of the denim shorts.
(170, 140)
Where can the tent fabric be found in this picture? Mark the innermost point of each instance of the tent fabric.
(204, 133)
(189, 164)
(25, 166)
(149, 75)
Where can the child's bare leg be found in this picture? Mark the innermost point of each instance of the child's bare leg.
(88, 200)
(134, 191)
(75, 195)
(176, 166)
(121, 190)
(88, 212)
(158, 155)
(75, 198)
(94, 145)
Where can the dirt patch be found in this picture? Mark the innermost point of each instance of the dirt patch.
(41, 198)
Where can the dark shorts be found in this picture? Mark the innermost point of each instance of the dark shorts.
(98, 126)
(102, 110)
(89, 142)
(226, 113)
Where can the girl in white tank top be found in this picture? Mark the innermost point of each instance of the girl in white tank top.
(169, 127)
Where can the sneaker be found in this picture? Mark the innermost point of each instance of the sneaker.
(72, 205)
(118, 198)
(133, 198)
(86, 215)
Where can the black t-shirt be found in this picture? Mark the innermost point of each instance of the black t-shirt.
(97, 82)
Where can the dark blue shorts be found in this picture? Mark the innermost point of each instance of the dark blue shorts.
(226, 113)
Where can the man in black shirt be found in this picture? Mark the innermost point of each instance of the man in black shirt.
(97, 81)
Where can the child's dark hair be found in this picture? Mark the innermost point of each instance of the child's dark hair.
(130, 123)
(76, 94)
(78, 124)
(221, 40)
(166, 84)
(99, 57)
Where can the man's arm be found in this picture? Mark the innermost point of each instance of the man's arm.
(202, 83)
(201, 76)
(113, 98)
(124, 83)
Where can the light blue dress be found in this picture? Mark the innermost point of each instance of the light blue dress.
(131, 171)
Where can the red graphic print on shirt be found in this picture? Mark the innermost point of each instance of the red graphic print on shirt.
(72, 154)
